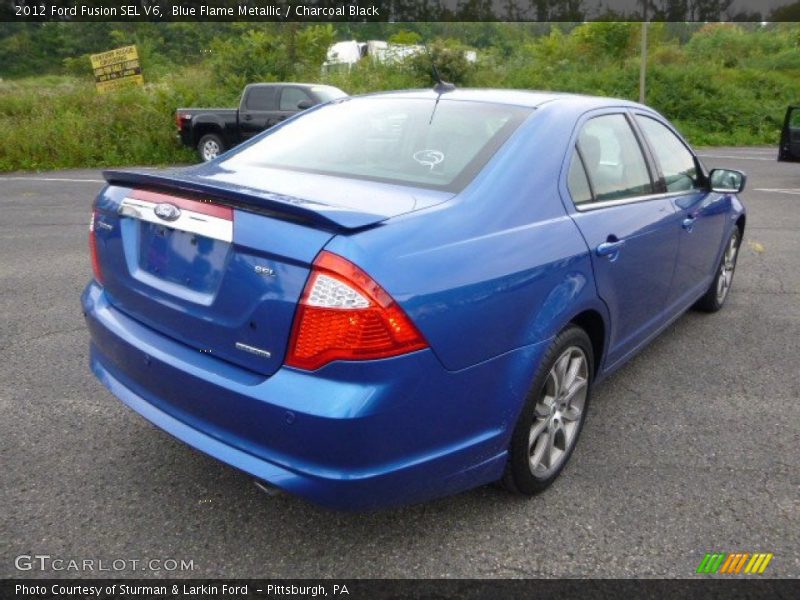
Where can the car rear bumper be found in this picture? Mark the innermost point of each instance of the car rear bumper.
(350, 436)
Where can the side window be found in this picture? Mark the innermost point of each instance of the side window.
(577, 182)
(290, 97)
(677, 163)
(613, 159)
(261, 98)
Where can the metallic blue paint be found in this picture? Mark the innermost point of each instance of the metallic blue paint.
(489, 276)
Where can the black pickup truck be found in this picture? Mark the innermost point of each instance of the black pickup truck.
(789, 149)
(213, 130)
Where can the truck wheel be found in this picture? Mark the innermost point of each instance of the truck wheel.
(210, 146)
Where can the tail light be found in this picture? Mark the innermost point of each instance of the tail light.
(179, 119)
(98, 275)
(344, 314)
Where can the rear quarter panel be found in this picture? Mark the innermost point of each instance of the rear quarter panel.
(500, 266)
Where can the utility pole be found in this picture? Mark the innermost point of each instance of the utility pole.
(643, 64)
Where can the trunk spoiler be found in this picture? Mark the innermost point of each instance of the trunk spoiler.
(325, 216)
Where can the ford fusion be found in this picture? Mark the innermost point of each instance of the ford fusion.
(395, 297)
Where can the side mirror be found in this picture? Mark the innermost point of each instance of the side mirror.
(304, 104)
(726, 181)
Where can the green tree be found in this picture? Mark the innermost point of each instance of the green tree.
(450, 59)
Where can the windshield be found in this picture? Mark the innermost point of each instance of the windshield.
(406, 141)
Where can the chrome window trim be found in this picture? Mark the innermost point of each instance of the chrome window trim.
(590, 206)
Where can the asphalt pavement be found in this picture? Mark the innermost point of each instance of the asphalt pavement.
(693, 447)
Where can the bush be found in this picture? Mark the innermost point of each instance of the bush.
(368, 76)
(450, 59)
(70, 125)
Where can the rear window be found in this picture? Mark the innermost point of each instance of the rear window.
(405, 141)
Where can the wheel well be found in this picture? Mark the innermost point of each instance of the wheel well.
(740, 224)
(592, 323)
(203, 129)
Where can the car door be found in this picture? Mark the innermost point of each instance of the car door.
(701, 213)
(628, 225)
(259, 109)
(291, 97)
(790, 135)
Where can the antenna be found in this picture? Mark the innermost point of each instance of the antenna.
(442, 86)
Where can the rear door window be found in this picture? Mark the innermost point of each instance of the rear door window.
(613, 158)
(261, 98)
(577, 182)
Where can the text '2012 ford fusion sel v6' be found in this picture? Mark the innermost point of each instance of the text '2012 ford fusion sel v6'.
(394, 297)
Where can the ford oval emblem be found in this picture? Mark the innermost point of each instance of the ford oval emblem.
(166, 211)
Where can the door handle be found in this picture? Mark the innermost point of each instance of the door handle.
(688, 223)
(610, 249)
(248, 117)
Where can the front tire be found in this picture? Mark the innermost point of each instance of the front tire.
(717, 293)
(210, 146)
(553, 415)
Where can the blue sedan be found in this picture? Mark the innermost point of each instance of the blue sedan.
(398, 296)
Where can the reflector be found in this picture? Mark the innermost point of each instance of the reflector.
(98, 275)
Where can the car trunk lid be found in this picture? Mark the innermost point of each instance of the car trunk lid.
(213, 264)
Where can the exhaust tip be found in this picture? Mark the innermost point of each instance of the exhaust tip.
(268, 488)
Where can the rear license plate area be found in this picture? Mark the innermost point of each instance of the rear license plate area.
(181, 257)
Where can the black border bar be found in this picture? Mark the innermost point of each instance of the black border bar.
(399, 10)
(711, 588)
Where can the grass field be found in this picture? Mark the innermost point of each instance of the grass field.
(724, 86)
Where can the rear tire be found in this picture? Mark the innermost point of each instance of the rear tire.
(553, 415)
(720, 287)
(210, 146)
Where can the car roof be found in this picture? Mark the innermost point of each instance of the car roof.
(526, 98)
(293, 83)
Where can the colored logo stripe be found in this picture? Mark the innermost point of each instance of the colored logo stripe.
(758, 563)
(733, 563)
(711, 562)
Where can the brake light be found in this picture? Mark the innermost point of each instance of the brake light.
(98, 275)
(344, 314)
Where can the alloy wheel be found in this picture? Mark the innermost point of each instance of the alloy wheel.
(725, 277)
(558, 413)
(210, 150)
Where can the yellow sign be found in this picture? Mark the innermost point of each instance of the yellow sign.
(117, 68)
